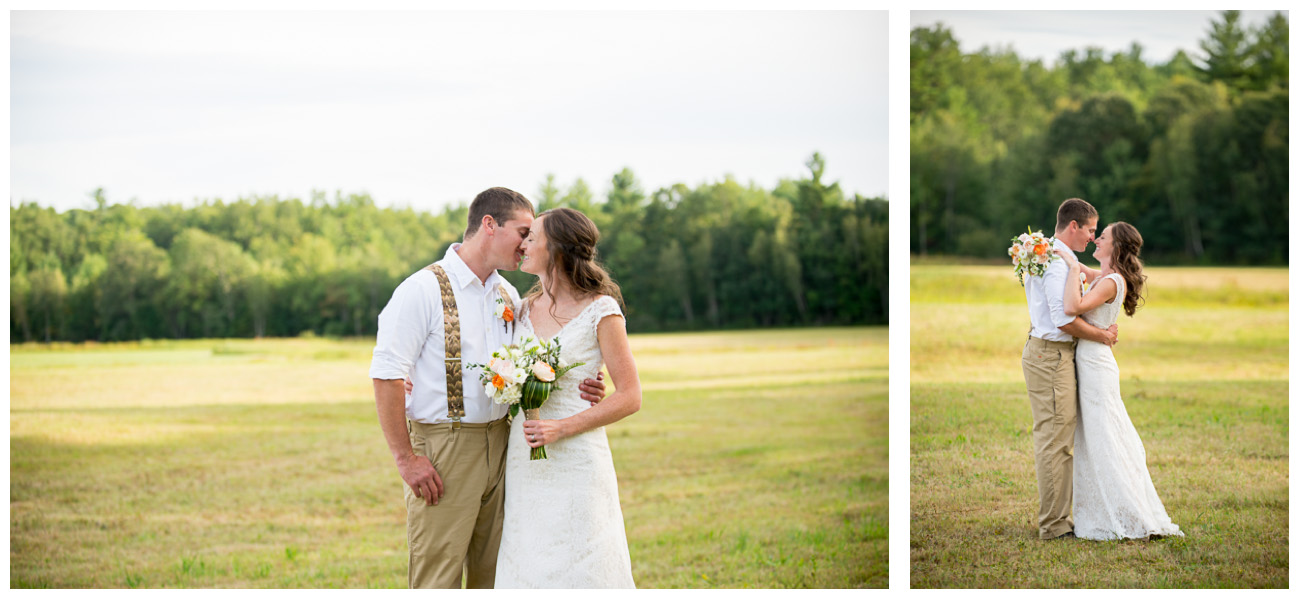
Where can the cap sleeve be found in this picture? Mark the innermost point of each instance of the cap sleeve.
(604, 306)
(1119, 287)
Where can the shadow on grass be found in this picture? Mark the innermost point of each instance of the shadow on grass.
(1217, 452)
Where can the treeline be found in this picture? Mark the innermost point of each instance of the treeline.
(1191, 152)
(720, 255)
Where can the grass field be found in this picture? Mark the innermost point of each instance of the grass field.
(1204, 375)
(758, 459)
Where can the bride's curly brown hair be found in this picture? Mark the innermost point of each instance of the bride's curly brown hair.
(1125, 259)
(571, 242)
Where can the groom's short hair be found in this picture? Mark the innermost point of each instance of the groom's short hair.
(1074, 209)
(501, 203)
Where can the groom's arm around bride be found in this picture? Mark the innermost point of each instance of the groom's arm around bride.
(1074, 326)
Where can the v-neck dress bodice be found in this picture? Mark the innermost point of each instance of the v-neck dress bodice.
(563, 525)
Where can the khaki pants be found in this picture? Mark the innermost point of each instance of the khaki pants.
(463, 531)
(1054, 400)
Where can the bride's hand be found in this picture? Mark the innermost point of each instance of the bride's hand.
(1068, 256)
(546, 431)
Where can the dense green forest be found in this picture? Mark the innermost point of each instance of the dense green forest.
(719, 255)
(1192, 152)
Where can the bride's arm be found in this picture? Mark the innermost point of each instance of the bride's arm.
(1075, 302)
(626, 399)
(1104, 291)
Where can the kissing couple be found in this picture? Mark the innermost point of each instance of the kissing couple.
(1086, 451)
(476, 507)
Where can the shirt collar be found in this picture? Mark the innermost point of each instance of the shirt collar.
(461, 273)
(1057, 243)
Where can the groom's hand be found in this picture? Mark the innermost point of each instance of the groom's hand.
(419, 473)
(1107, 336)
(593, 390)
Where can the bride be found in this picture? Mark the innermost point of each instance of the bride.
(563, 525)
(1113, 494)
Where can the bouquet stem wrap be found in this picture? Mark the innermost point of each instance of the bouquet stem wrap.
(534, 394)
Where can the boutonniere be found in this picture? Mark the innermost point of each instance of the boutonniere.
(505, 309)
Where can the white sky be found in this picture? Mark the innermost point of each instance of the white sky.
(1045, 34)
(428, 108)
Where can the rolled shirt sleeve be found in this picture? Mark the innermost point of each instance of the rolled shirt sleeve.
(1054, 289)
(404, 326)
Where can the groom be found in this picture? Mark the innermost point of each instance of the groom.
(447, 437)
(1048, 363)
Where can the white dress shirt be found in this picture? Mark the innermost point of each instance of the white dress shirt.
(1046, 297)
(412, 341)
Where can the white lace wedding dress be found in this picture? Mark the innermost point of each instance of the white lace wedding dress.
(1113, 494)
(563, 524)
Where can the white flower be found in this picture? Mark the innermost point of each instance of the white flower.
(508, 371)
(1024, 237)
(500, 365)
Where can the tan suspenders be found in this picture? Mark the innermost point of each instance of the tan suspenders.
(451, 326)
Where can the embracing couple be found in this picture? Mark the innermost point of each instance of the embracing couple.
(475, 502)
(1086, 450)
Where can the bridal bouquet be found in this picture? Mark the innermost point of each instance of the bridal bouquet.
(523, 376)
(1031, 252)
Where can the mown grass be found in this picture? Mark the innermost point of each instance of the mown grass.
(1204, 376)
(758, 460)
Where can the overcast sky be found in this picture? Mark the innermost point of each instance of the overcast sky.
(1045, 34)
(428, 108)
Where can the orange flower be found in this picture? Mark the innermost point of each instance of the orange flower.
(508, 315)
(498, 381)
(1040, 249)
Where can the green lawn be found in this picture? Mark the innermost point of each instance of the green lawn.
(758, 459)
(1204, 378)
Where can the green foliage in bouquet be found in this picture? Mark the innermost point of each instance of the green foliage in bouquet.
(535, 391)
